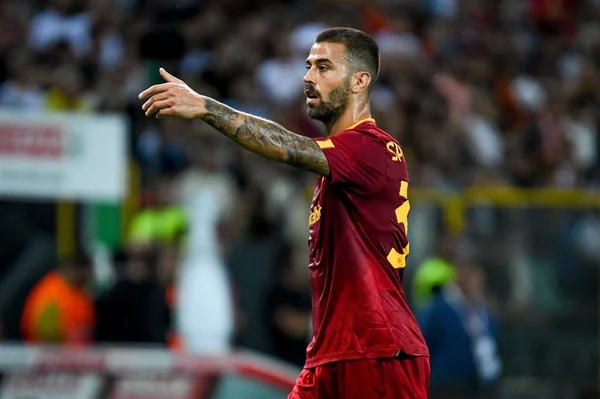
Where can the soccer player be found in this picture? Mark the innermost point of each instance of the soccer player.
(366, 342)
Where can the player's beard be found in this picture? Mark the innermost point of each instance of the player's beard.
(330, 111)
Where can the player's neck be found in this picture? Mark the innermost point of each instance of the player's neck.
(353, 114)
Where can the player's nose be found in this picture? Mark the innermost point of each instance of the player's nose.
(309, 76)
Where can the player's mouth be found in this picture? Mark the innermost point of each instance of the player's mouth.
(311, 97)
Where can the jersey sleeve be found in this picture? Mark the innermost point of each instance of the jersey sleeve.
(356, 160)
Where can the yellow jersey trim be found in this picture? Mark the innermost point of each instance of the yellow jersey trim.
(326, 144)
(360, 122)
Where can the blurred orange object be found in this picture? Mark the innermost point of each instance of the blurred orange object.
(174, 341)
(58, 312)
(374, 19)
(171, 295)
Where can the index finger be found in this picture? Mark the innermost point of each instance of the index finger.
(152, 90)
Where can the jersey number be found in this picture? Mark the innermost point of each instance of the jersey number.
(396, 259)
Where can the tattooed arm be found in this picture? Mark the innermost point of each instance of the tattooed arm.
(266, 138)
(263, 137)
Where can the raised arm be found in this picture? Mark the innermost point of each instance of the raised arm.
(263, 137)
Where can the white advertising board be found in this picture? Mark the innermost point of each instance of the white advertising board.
(63, 156)
(51, 386)
(156, 387)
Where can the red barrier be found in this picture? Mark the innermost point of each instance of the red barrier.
(149, 373)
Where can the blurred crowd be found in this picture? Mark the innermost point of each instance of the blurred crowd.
(478, 93)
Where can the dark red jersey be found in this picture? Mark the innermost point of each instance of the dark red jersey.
(358, 248)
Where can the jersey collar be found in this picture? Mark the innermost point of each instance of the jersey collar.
(360, 122)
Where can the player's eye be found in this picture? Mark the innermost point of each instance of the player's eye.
(307, 67)
(323, 68)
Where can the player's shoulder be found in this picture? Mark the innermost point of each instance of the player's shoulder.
(370, 129)
(388, 145)
(366, 132)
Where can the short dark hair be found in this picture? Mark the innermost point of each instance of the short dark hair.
(361, 49)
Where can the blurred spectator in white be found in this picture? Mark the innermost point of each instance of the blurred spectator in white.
(472, 110)
(281, 76)
(108, 45)
(398, 39)
(486, 139)
(580, 127)
(63, 21)
(303, 36)
(205, 307)
(529, 92)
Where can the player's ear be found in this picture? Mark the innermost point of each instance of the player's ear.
(360, 81)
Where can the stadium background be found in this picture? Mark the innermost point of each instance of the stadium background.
(495, 103)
